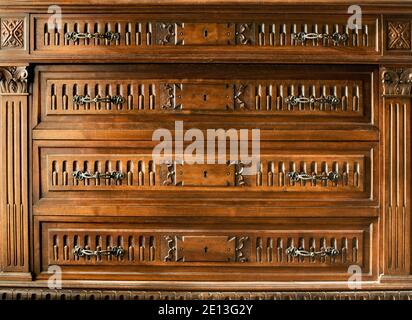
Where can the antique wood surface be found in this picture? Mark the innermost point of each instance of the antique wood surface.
(79, 189)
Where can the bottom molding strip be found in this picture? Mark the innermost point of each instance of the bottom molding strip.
(80, 294)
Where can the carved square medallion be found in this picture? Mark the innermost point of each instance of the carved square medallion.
(12, 32)
(399, 35)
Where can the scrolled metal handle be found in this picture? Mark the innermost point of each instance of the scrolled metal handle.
(83, 252)
(109, 35)
(78, 99)
(335, 37)
(295, 176)
(295, 100)
(299, 252)
(82, 175)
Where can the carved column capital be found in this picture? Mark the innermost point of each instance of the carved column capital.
(13, 80)
(397, 82)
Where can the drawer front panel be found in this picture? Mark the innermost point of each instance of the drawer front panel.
(314, 248)
(273, 248)
(100, 34)
(279, 94)
(338, 171)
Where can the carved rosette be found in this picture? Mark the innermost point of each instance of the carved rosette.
(399, 35)
(13, 80)
(397, 82)
(12, 32)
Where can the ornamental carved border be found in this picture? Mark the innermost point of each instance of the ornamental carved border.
(397, 82)
(12, 32)
(99, 294)
(13, 80)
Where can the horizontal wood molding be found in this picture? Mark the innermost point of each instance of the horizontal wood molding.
(97, 294)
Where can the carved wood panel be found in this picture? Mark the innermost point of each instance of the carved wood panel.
(151, 93)
(255, 248)
(274, 172)
(397, 213)
(14, 174)
(138, 32)
(13, 33)
(102, 294)
(399, 35)
(274, 97)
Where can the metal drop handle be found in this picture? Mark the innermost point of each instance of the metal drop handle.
(109, 35)
(82, 175)
(82, 252)
(295, 100)
(298, 252)
(335, 37)
(78, 99)
(295, 176)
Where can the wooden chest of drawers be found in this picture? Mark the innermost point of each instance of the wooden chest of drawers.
(83, 91)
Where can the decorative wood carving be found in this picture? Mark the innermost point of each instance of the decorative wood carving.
(171, 248)
(399, 35)
(270, 97)
(13, 80)
(12, 32)
(245, 33)
(139, 173)
(109, 294)
(172, 92)
(166, 33)
(14, 173)
(137, 31)
(397, 81)
(256, 248)
(397, 139)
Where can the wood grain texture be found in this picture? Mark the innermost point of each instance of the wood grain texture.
(397, 117)
(221, 64)
(14, 174)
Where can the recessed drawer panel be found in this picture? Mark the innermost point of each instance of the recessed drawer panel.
(232, 93)
(306, 171)
(103, 34)
(275, 249)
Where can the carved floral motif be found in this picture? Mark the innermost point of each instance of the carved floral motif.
(13, 80)
(397, 81)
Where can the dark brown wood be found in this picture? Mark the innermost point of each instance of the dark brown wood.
(201, 231)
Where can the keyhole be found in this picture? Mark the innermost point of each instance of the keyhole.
(205, 174)
(205, 33)
(204, 97)
(206, 249)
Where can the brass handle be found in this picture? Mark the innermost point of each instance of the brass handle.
(82, 175)
(86, 99)
(109, 35)
(82, 252)
(294, 176)
(335, 37)
(294, 100)
(298, 252)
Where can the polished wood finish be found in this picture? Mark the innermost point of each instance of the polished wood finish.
(14, 168)
(239, 250)
(206, 230)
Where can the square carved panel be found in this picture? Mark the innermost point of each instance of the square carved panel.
(399, 35)
(12, 32)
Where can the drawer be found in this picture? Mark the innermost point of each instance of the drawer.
(75, 97)
(100, 35)
(298, 249)
(342, 172)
